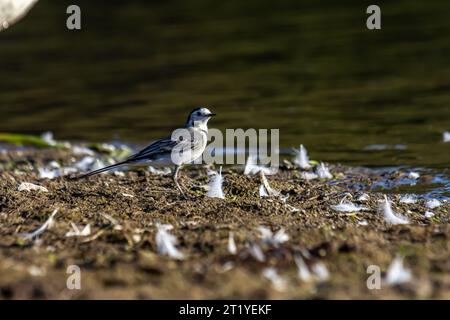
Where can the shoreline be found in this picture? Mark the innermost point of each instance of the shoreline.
(120, 256)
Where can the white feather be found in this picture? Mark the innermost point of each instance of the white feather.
(89, 163)
(127, 195)
(363, 223)
(54, 172)
(397, 273)
(268, 237)
(408, 199)
(262, 191)
(45, 173)
(265, 233)
(277, 282)
(364, 197)
(159, 172)
(347, 206)
(302, 269)
(13, 10)
(431, 204)
(86, 231)
(414, 175)
(48, 138)
(251, 167)
(320, 271)
(47, 225)
(36, 271)
(308, 175)
(280, 237)
(215, 185)
(446, 136)
(27, 186)
(323, 172)
(291, 208)
(231, 244)
(82, 151)
(389, 215)
(267, 189)
(166, 242)
(429, 214)
(256, 252)
(301, 158)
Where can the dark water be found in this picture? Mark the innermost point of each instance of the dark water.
(309, 68)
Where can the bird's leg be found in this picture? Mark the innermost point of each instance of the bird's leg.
(175, 180)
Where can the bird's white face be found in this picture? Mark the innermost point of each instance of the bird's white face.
(200, 117)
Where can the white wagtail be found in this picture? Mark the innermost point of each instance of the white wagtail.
(169, 151)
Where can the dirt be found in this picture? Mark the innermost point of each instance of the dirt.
(119, 258)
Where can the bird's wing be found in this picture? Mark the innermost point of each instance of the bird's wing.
(165, 146)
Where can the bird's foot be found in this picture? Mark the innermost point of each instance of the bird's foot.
(185, 197)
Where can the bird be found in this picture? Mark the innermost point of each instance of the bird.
(177, 149)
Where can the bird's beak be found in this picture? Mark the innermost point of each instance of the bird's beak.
(212, 114)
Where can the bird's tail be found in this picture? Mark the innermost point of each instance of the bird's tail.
(113, 166)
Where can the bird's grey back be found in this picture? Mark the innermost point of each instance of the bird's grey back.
(162, 149)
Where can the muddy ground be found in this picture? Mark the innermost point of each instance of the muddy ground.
(119, 259)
